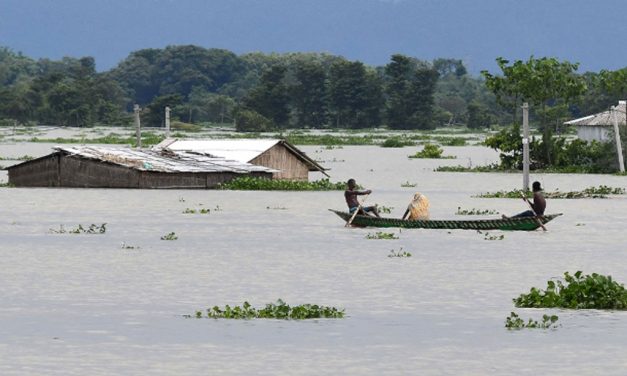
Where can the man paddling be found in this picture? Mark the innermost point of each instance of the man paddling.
(538, 205)
(351, 194)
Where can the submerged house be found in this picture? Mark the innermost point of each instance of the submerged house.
(109, 167)
(290, 162)
(600, 127)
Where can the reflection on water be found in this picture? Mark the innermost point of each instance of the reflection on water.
(78, 304)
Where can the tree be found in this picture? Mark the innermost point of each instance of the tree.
(543, 82)
(270, 97)
(154, 113)
(309, 93)
(478, 116)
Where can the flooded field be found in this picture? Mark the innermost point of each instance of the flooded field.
(81, 304)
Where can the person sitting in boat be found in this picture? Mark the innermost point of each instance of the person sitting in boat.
(538, 205)
(418, 208)
(351, 194)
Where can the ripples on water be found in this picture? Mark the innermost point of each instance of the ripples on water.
(79, 304)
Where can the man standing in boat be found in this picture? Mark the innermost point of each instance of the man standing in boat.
(538, 205)
(351, 194)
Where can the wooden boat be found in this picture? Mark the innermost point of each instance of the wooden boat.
(508, 224)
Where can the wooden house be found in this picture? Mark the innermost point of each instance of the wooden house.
(108, 167)
(291, 163)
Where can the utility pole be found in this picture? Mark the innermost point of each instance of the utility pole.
(619, 147)
(138, 130)
(525, 142)
(167, 122)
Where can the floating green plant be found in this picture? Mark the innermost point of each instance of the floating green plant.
(515, 322)
(128, 246)
(578, 291)
(601, 191)
(170, 236)
(397, 142)
(474, 211)
(381, 235)
(92, 229)
(197, 211)
(280, 310)
(399, 253)
(385, 209)
(430, 151)
(487, 236)
(260, 184)
(276, 208)
(407, 184)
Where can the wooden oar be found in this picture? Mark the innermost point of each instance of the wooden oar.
(356, 211)
(533, 210)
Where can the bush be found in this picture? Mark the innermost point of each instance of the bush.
(579, 292)
(397, 142)
(280, 310)
(251, 121)
(260, 184)
(430, 151)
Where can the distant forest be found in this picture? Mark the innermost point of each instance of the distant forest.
(259, 92)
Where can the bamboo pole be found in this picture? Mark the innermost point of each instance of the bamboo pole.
(138, 131)
(619, 147)
(525, 142)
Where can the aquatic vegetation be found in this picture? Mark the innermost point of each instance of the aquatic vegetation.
(399, 253)
(276, 208)
(407, 184)
(474, 211)
(381, 235)
(7, 185)
(451, 141)
(279, 310)
(431, 151)
(326, 140)
(578, 291)
(197, 211)
(92, 229)
(148, 138)
(25, 157)
(397, 142)
(487, 236)
(459, 168)
(515, 322)
(260, 184)
(385, 209)
(128, 246)
(170, 236)
(601, 191)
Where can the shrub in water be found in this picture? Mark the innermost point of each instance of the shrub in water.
(280, 310)
(515, 322)
(578, 291)
(260, 184)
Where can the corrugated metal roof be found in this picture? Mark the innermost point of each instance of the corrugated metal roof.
(162, 160)
(602, 119)
(238, 150)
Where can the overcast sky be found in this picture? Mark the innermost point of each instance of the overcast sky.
(476, 31)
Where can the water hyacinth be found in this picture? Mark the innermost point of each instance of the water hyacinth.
(279, 310)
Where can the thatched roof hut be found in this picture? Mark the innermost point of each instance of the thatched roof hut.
(109, 167)
(291, 163)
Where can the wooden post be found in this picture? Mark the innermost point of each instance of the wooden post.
(619, 147)
(525, 142)
(167, 122)
(138, 130)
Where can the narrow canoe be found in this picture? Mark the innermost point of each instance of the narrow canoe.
(507, 224)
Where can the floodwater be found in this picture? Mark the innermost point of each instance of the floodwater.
(83, 305)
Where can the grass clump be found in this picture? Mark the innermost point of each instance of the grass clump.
(459, 168)
(430, 151)
(397, 142)
(578, 291)
(92, 229)
(514, 322)
(474, 211)
(601, 191)
(487, 236)
(169, 236)
(279, 310)
(407, 184)
(399, 253)
(261, 184)
(382, 235)
(196, 211)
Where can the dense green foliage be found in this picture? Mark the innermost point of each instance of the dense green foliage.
(280, 310)
(430, 151)
(515, 322)
(601, 191)
(260, 184)
(397, 142)
(382, 235)
(578, 291)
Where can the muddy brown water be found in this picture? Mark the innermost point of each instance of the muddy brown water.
(80, 304)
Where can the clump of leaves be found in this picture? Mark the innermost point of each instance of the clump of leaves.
(279, 310)
(487, 236)
(128, 246)
(515, 322)
(382, 235)
(451, 141)
(601, 191)
(407, 184)
(431, 151)
(474, 211)
(578, 291)
(385, 209)
(276, 208)
(486, 168)
(260, 184)
(399, 253)
(170, 236)
(6, 185)
(92, 229)
(397, 142)
(197, 211)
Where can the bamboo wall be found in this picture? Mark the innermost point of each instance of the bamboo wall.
(280, 158)
(40, 172)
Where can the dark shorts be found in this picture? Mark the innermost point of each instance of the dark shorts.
(366, 209)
